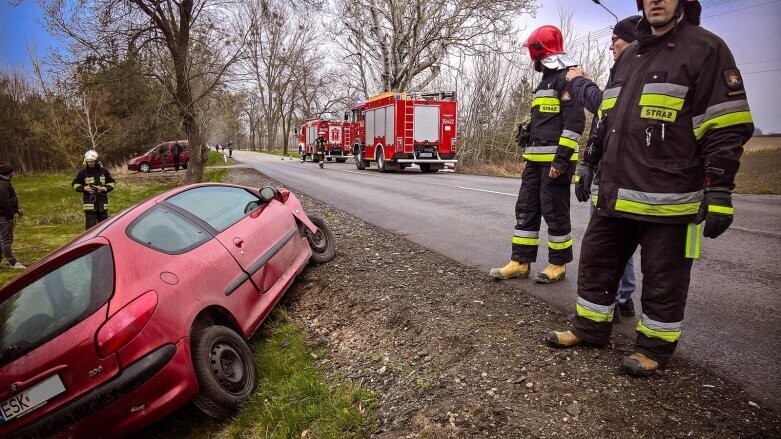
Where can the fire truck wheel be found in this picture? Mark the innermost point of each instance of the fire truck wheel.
(381, 161)
(322, 243)
(360, 162)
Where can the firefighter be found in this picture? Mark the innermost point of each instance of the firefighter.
(674, 134)
(95, 182)
(557, 122)
(320, 145)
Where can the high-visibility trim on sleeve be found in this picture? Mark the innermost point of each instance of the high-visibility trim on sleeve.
(569, 143)
(722, 115)
(726, 210)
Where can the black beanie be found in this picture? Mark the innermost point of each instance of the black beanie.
(6, 168)
(626, 29)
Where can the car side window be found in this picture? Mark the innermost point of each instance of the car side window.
(166, 231)
(55, 302)
(219, 206)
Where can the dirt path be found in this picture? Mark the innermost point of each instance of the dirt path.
(454, 354)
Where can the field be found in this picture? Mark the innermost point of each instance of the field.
(760, 167)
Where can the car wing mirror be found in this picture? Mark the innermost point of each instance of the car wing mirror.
(267, 193)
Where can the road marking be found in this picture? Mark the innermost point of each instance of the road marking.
(758, 232)
(483, 190)
(356, 172)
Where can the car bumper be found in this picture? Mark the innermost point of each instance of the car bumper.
(132, 167)
(144, 392)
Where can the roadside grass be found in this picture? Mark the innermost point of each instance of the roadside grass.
(216, 159)
(278, 152)
(759, 173)
(293, 398)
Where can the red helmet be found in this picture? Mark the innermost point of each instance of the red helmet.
(544, 41)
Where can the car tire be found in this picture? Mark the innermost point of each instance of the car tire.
(323, 243)
(144, 167)
(381, 161)
(224, 389)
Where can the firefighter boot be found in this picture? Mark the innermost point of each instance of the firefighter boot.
(639, 365)
(552, 273)
(511, 270)
(321, 164)
(564, 339)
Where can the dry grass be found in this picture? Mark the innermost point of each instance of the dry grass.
(763, 144)
(507, 169)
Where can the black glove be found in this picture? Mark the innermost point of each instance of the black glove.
(522, 135)
(583, 186)
(716, 210)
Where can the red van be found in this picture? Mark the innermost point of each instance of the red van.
(153, 159)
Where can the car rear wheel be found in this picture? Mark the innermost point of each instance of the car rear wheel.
(225, 370)
(322, 243)
(144, 167)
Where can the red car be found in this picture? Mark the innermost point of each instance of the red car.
(159, 155)
(150, 309)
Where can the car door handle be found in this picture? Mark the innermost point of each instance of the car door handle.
(238, 242)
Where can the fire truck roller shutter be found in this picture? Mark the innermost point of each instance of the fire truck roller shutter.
(370, 127)
(426, 123)
(379, 123)
(389, 125)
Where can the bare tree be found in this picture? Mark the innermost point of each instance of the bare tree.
(187, 45)
(395, 41)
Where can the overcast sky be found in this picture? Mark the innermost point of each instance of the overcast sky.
(751, 28)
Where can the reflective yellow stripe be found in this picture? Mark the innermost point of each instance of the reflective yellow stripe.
(593, 315)
(577, 178)
(726, 210)
(594, 199)
(77, 185)
(110, 184)
(560, 245)
(693, 241)
(724, 121)
(657, 209)
(525, 241)
(569, 143)
(663, 101)
(547, 158)
(574, 157)
(545, 101)
(668, 336)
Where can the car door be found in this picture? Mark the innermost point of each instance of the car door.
(259, 236)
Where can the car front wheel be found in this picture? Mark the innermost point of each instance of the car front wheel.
(322, 243)
(225, 370)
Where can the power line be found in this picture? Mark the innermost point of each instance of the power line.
(762, 71)
(741, 9)
(759, 62)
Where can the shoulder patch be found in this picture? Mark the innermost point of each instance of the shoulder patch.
(733, 79)
(566, 96)
(655, 77)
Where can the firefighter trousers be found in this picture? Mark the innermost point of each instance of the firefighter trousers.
(608, 244)
(539, 197)
(94, 217)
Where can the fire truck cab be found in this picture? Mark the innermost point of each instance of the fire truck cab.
(397, 130)
(336, 135)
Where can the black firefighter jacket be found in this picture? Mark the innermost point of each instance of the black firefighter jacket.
(676, 120)
(9, 206)
(557, 122)
(95, 176)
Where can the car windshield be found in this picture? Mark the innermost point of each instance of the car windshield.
(219, 206)
(54, 303)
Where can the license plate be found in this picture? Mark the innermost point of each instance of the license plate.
(425, 155)
(30, 399)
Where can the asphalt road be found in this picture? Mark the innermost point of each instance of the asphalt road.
(732, 318)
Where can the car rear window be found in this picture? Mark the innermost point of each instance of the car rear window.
(166, 231)
(219, 206)
(54, 303)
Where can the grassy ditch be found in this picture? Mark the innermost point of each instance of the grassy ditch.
(293, 398)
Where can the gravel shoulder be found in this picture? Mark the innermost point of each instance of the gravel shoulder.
(455, 355)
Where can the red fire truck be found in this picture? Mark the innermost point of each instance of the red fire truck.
(397, 130)
(336, 134)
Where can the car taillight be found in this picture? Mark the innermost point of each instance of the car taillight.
(123, 326)
(284, 194)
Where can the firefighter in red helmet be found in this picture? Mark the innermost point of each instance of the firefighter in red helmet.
(675, 125)
(557, 121)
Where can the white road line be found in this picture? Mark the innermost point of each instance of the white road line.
(356, 172)
(483, 190)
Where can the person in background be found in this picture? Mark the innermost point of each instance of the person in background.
(94, 182)
(177, 152)
(9, 207)
(589, 94)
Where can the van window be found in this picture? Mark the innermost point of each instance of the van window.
(54, 303)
